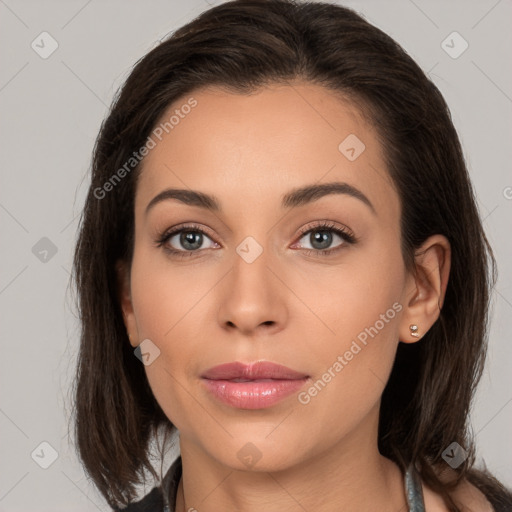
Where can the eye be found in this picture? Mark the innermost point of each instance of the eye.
(185, 240)
(322, 236)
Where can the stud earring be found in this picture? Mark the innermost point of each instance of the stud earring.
(414, 330)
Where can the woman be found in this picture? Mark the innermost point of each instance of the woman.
(281, 259)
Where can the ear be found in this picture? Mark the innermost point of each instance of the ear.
(426, 288)
(125, 300)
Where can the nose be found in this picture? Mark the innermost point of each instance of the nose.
(252, 297)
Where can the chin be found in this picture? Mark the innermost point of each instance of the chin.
(256, 454)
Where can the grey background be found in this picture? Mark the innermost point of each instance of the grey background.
(51, 110)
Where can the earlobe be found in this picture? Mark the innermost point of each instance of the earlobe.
(125, 301)
(427, 289)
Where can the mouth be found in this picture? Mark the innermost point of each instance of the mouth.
(252, 386)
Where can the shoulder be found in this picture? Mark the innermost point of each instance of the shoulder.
(466, 496)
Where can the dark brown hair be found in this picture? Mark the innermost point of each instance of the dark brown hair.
(240, 46)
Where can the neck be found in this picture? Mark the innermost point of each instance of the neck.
(350, 476)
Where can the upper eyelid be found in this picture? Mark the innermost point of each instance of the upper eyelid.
(178, 229)
(327, 225)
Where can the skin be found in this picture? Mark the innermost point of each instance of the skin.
(214, 307)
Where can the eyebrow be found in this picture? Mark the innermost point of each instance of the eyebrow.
(297, 197)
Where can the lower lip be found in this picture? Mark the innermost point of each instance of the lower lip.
(257, 394)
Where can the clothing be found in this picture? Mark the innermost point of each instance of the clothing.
(163, 498)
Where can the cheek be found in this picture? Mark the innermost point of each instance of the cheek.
(353, 363)
(166, 294)
(171, 311)
(170, 306)
(352, 367)
(353, 296)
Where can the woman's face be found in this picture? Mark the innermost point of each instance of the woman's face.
(265, 280)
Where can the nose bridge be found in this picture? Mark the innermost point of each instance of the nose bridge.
(252, 295)
(251, 276)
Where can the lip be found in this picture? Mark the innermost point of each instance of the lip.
(252, 386)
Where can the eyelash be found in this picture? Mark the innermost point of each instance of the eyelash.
(347, 236)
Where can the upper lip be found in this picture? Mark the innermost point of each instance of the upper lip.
(256, 370)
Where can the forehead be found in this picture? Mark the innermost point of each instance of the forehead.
(260, 145)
